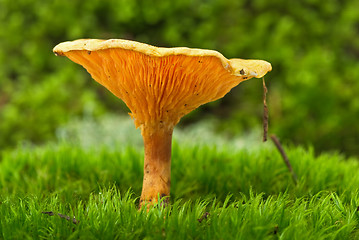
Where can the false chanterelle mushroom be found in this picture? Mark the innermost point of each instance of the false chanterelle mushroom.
(159, 86)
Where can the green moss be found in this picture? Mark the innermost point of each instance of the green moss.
(216, 193)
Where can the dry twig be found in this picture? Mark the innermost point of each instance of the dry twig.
(285, 157)
(265, 112)
(68, 218)
(203, 217)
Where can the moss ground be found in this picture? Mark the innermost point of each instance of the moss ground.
(217, 193)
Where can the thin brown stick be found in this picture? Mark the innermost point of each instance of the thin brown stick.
(68, 218)
(265, 112)
(285, 157)
(204, 216)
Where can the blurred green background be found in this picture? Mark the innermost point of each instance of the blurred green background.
(313, 46)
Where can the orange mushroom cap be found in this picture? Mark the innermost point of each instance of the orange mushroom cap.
(160, 85)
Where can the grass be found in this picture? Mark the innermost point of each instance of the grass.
(218, 192)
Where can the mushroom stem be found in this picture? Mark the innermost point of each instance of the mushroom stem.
(157, 165)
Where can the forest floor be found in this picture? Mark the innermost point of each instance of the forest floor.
(67, 190)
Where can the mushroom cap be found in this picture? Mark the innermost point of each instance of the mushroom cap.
(160, 85)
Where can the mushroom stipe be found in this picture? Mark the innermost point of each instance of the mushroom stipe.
(159, 86)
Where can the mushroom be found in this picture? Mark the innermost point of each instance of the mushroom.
(159, 86)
